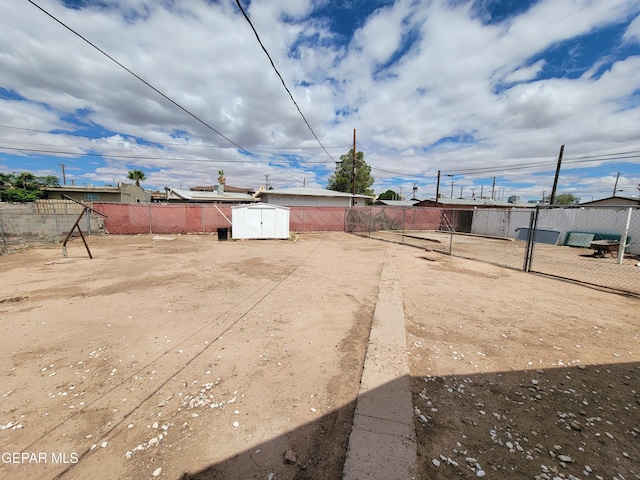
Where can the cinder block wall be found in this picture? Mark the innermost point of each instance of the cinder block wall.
(21, 221)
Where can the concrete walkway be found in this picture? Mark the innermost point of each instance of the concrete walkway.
(382, 444)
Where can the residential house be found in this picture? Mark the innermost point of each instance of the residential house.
(219, 195)
(122, 193)
(311, 197)
(472, 203)
(616, 201)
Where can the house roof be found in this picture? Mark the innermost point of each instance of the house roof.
(398, 203)
(309, 192)
(196, 196)
(227, 188)
(623, 200)
(475, 202)
(83, 188)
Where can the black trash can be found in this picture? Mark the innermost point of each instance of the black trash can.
(223, 234)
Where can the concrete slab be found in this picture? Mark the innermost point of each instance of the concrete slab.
(382, 444)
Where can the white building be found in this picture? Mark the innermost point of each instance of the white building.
(311, 197)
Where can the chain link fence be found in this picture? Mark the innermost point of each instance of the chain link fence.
(593, 245)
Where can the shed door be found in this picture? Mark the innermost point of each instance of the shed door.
(253, 223)
(268, 223)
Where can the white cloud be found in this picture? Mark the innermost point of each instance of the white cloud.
(205, 57)
(524, 74)
(633, 31)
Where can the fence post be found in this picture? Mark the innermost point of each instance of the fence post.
(55, 219)
(404, 211)
(528, 251)
(4, 242)
(150, 220)
(451, 230)
(623, 239)
(370, 219)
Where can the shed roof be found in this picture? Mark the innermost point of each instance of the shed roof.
(263, 206)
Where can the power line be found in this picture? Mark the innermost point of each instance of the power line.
(605, 154)
(524, 166)
(137, 157)
(163, 95)
(281, 79)
(191, 145)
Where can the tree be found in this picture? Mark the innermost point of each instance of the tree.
(566, 199)
(51, 181)
(389, 195)
(25, 187)
(221, 179)
(137, 175)
(342, 179)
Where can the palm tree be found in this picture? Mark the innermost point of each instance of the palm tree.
(137, 175)
(221, 179)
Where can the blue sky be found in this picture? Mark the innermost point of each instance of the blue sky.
(476, 89)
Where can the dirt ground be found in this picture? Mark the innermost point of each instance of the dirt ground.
(184, 357)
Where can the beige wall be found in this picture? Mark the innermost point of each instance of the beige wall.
(125, 193)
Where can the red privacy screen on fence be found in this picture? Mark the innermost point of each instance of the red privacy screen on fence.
(158, 218)
(205, 218)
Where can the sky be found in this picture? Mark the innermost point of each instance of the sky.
(483, 91)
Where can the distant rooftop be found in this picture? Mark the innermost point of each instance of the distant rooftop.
(308, 191)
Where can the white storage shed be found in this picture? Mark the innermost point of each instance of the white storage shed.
(259, 221)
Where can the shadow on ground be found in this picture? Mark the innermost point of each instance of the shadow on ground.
(571, 422)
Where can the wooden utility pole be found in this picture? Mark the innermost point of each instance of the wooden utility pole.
(438, 188)
(615, 187)
(354, 165)
(555, 180)
(493, 189)
(64, 177)
(452, 183)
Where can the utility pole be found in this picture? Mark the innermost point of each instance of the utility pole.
(354, 165)
(266, 182)
(473, 193)
(493, 189)
(415, 189)
(451, 188)
(64, 177)
(461, 192)
(555, 180)
(438, 188)
(615, 187)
